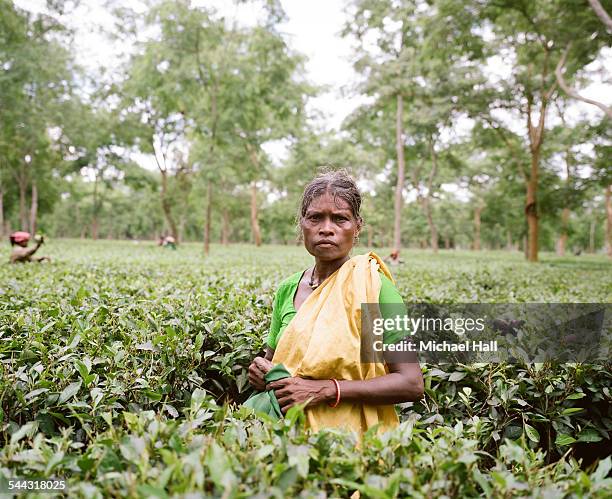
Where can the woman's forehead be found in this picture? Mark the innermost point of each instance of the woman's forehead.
(328, 202)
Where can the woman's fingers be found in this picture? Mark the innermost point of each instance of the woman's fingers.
(279, 384)
(254, 371)
(293, 391)
(285, 391)
(257, 384)
(256, 376)
(264, 364)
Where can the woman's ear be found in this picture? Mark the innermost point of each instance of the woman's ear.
(359, 227)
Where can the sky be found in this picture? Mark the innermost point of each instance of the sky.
(312, 29)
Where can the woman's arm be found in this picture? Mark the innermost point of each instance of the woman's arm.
(33, 249)
(404, 383)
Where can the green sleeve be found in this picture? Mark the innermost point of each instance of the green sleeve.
(389, 295)
(276, 321)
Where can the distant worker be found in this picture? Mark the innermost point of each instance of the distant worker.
(393, 258)
(167, 242)
(21, 252)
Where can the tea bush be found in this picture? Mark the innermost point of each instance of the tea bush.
(122, 366)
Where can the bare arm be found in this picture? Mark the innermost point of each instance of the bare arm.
(269, 353)
(20, 254)
(404, 383)
(30, 251)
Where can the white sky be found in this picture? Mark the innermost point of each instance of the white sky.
(313, 30)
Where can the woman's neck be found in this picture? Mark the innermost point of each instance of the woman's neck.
(323, 269)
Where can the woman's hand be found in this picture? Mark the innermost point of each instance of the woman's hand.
(257, 370)
(292, 391)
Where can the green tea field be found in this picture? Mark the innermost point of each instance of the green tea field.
(123, 366)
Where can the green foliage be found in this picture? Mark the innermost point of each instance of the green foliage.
(203, 101)
(36, 82)
(117, 361)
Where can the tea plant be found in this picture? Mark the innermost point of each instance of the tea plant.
(122, 367)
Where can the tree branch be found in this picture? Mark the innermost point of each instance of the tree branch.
(434, 166)
(601, 13)
(570, 91)
(508, 143)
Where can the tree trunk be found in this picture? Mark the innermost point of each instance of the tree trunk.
(370, 236)
(526, 246)
(509, 245)
(226, 228)
(94, 228)
(609, 220)
(207, 220)
(33, 208)
(433, 231)
(532, 215)
(23, 216)
(401, 167)
(181, 227)
(80, 222)
(592, 236)
(94, 218)
(563, 237)
(432, 174)
(477, 212)
(109, 234)
(446, 242)
(566, 211)
(254, 223)
(1, 213)
(536, 139)
(167, 209)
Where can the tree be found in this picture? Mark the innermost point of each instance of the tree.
(36, 82)
(270, 99)
(412, 69)
(389, 74)
(536, 33)
(153, 98)
(578, 53)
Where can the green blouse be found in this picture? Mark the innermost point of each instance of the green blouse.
(284, 310)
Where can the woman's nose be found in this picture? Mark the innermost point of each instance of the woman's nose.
(326, 226)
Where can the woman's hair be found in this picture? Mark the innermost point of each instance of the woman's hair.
(339, 184)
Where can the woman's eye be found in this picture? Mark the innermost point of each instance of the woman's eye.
(341, 219)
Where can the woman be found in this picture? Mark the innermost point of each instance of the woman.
(315, 331)
(21, 253)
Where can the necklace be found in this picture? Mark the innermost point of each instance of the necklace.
(311, 284)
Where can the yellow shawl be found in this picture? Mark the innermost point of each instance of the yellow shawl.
(323, 341)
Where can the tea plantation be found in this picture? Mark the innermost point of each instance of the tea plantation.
(122, 367)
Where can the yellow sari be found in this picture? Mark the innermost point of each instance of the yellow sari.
(323, 341)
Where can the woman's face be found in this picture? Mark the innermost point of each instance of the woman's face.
(329, 228)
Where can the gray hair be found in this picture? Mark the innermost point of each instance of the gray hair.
(339, 184)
